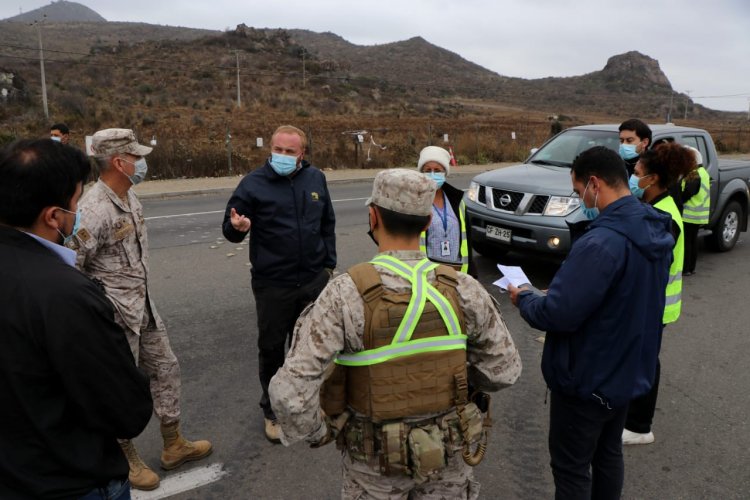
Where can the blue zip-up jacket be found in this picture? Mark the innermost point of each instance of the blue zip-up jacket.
(603, 310)
(292, 231)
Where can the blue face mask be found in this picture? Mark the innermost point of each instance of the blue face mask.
(593, 212)
(76, 226)
(634, 188)
(627, 151)
(438, 177)
(56, 138)
(141, 169)
(283, 164)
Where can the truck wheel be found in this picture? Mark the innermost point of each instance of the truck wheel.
(727, 231)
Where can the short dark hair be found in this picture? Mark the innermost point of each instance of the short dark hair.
(670, 161)
(603, 163)
(61, 127)
(642, 130)
(35, 174)
(398, 224)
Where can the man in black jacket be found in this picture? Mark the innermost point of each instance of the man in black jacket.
(286, 208)
(69, 386)
(635, 138)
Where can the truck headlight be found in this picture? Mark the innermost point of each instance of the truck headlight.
(560, 206)
(473, 191)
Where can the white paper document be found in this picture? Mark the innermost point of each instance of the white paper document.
(512, 275)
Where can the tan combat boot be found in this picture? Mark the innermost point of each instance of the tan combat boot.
(140, 476)
(273, 430)
(178, 450)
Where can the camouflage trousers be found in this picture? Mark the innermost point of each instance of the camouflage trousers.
(154, 355)
(361, 482)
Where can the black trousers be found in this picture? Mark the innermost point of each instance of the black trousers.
(585, 447)
(278, 310)
(641, 410)
(691, 247)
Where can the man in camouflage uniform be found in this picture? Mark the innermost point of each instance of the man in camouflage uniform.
(335, 325)
(112, 247)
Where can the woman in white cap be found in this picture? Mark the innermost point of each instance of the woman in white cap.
(446, 239)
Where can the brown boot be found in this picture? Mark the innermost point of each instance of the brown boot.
(140, 476)
(273, 430)
(178, 450)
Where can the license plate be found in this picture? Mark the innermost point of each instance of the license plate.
(499, 233)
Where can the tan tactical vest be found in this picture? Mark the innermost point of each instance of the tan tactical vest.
(412, 385)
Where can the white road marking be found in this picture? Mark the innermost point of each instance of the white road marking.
(184, 215)
(222, 211)
(184, 481)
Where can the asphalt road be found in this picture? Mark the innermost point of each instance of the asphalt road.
(201, 286)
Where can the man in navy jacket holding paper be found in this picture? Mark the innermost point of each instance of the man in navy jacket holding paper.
(603, 318)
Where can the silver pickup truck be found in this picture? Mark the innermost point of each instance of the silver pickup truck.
(528, 207)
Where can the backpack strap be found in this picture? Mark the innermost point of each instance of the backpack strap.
(370, 287)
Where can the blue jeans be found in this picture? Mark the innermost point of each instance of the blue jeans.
(117, 489)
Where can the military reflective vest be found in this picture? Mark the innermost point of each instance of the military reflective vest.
(414, 349)
(697, 208)
(463, 249)
(673, 302)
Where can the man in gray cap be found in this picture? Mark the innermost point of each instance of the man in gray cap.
(387, 344)
(112, 248)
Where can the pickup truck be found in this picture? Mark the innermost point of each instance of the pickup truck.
(528, 207)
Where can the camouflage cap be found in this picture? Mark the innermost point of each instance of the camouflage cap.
(403, 191)
(117, 140)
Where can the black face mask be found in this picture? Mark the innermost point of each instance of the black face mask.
(369, 232)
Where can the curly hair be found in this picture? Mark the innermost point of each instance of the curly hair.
(670, 161)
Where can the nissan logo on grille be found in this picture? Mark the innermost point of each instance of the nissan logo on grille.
(505, 200)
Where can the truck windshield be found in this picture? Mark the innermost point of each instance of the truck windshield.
(564, 148)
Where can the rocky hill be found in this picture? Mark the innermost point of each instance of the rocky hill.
(180, 84)
(61, 11)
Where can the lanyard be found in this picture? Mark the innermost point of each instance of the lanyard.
(444, 214)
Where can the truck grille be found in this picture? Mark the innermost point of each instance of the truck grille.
(537, 206)
(482, 197)
(506, 200)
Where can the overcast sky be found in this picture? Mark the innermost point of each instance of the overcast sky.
(702, 47)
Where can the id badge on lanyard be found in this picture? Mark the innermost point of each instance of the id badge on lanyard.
(445, 248)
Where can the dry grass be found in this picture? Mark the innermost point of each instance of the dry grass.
(184, 93)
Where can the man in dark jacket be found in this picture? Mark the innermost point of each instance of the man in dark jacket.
(286, 207)
(603, 318)
(635, 138)
(69, 386)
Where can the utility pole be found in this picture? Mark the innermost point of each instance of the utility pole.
(239, 100)
(748, 108)
(304, 75)
(687, 101)
(38, 25)
(671, 100)
(229, 149)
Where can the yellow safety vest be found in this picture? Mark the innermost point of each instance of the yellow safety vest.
(463, 250)
(402, 343)
(697, 208)
(673, 303)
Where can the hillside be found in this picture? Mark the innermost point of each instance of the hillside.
(180, 85)
(59, 12)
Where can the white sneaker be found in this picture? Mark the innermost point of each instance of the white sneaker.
(630, 437)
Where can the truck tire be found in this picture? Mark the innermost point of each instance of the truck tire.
(727, 231)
